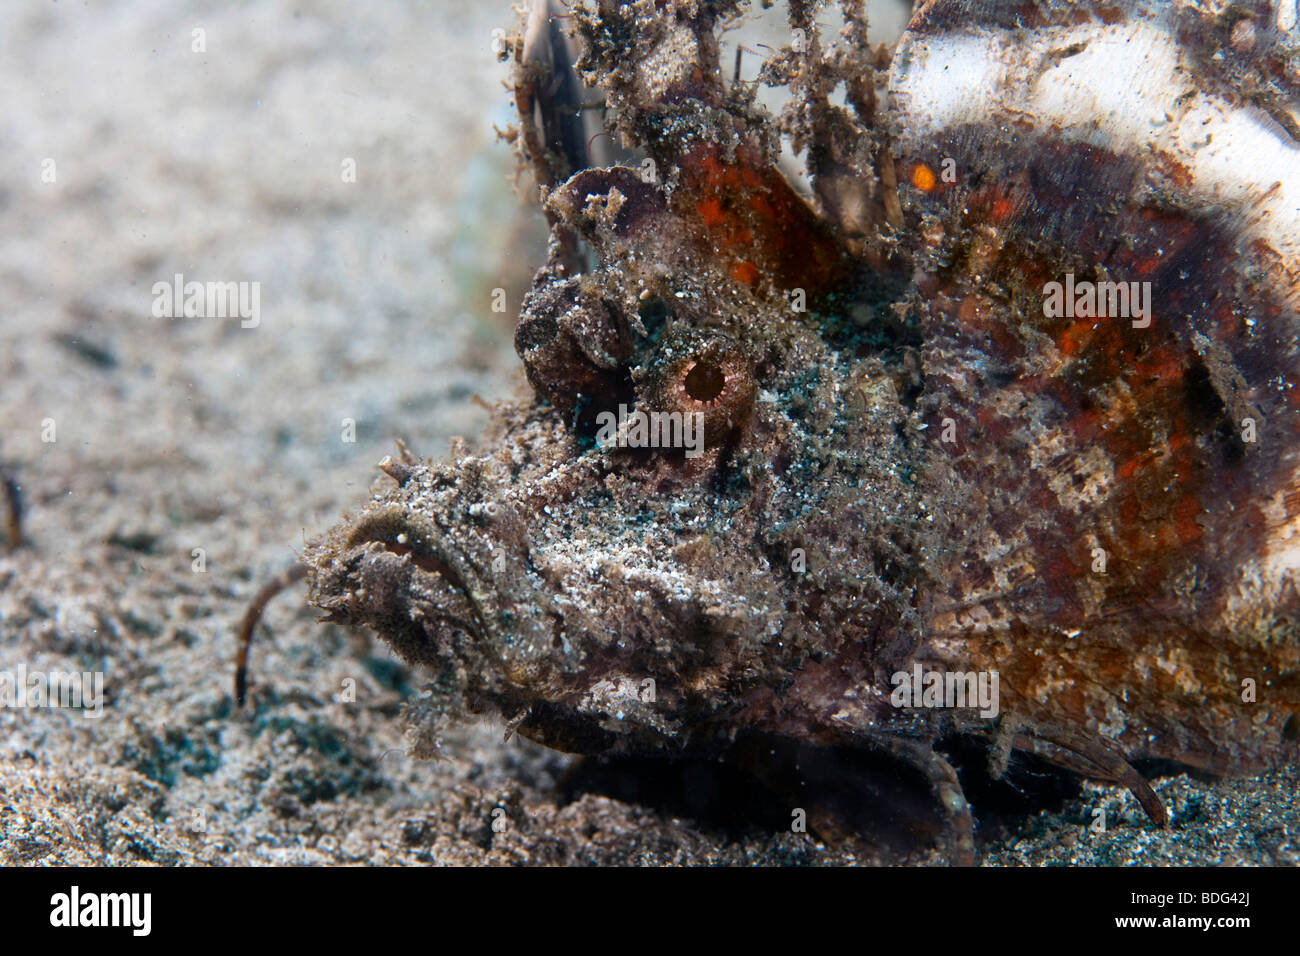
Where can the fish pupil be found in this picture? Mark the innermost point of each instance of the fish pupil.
(704, 382)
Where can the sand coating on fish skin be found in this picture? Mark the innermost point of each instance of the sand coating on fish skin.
(920, 467)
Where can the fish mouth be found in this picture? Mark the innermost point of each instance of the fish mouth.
(432, 592)
(407, 582)
(396, 536)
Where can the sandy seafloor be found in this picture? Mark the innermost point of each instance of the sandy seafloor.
(177, 434)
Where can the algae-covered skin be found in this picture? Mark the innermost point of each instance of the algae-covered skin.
(905, 461)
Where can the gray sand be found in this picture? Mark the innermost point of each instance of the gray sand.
(179, 434)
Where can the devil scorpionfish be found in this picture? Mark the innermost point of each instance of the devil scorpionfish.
(1005, 403)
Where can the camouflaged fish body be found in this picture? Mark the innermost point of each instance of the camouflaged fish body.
(908, 462)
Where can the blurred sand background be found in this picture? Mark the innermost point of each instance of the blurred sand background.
(177, 434)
